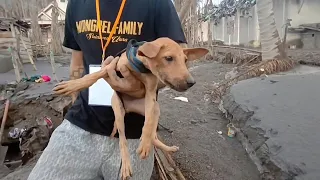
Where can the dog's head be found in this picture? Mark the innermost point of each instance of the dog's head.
(167, 60)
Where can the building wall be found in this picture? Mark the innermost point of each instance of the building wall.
(203, 32)
(283, 9)
(310, 12)
(310, 39)
(62, 4)
(218, 31)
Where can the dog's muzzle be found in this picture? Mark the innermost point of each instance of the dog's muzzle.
(190, 82)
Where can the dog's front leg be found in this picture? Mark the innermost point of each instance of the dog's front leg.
(152, 113)
(76, 85)
(119, 113)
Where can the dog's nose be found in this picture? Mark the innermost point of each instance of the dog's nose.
(190, 84)
(190, 81)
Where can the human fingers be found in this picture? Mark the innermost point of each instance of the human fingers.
(113, 64)
(111, 70)
(107, 61)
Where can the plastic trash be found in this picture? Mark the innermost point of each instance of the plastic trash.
(231, 130)
(184, 99)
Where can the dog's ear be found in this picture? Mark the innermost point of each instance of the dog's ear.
(149, 50)
(195, 53)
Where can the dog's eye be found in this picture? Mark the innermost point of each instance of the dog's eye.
(169, 58)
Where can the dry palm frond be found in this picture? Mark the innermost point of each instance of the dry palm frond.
(270, 67)
(264, 67)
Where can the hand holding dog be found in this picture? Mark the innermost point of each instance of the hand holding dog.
(124, 84)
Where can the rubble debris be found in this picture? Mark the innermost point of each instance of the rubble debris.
(231, 74)
(11, 89)
(29, 125)
(34, 139)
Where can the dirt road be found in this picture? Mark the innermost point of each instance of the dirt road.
(204, 154)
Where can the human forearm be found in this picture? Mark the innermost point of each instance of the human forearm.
(76, 69)
(76, 65)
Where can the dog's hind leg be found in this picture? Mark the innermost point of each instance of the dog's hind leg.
(157, 143)
(119, 113)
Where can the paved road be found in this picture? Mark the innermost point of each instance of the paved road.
(280, 116)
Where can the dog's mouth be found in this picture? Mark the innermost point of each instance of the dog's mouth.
(169, 84)
(176, 88)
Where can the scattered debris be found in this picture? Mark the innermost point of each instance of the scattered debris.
(231, 130)
(15, 133)
(35, 139)
(37, 79)
(48, 122)
(165, 166)
(220, 132)
(193, 122)
(231, 74)
(273, 81)
(184, 99)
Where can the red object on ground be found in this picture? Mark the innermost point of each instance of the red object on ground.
(48, 121)
(46, 78)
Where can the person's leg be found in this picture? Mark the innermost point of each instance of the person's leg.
(72, 154)
(141, 169)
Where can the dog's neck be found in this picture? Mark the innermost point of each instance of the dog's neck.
(136, 62)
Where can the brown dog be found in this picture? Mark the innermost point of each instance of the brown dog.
(165, 62)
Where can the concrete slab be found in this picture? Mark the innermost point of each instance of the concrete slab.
(279, 115)
(6, 64)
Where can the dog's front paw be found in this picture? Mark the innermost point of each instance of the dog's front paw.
(126, 170)
(144, 148)
(67, 87)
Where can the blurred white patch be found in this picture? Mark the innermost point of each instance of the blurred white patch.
(184, 99)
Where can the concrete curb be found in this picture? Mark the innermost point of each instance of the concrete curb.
(254, 139)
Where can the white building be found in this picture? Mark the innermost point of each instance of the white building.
(45, 19)
(243, 28)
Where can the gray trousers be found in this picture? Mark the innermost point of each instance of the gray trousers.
(75, 154)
